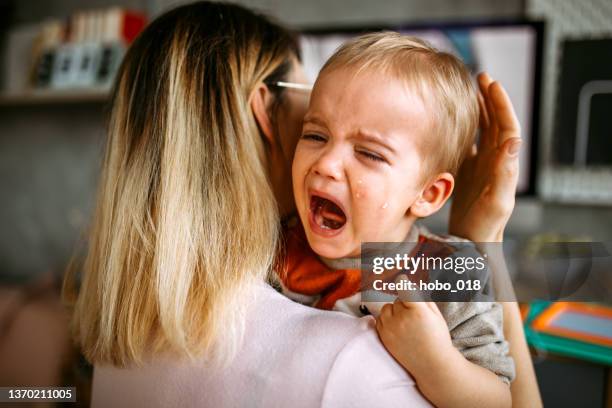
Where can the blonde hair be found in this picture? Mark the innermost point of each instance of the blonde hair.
(186, 221)
(442, 81)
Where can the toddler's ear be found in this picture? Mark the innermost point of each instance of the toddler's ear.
(434, 195)
(261, 100)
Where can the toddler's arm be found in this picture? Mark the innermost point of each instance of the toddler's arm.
(476, 330)
(417, 336)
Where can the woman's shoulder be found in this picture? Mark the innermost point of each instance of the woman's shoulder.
(300, 322)
(351, 364)
(364, 374)
(292, 355)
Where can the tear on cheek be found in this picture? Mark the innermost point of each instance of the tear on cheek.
(360, 194)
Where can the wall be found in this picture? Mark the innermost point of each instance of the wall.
(49, 158)
(350, 12)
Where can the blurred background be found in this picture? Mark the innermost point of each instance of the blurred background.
(57, 62)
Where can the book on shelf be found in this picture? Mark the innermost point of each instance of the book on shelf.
(86, 50)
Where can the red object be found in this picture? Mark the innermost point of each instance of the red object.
(303, 272)
(133, 24)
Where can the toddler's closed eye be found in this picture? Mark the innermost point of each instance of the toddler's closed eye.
(314, 137)
(371, 155)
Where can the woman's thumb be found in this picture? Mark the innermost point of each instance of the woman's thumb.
(506, 173)
(513, 146)
(508, 160)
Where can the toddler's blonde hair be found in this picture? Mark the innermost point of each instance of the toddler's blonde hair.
(440, 79)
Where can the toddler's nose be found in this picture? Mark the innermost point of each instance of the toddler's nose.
(329, 165)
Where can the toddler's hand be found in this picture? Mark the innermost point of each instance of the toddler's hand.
(415, 334)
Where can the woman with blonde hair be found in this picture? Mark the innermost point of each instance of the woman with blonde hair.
(173, 308)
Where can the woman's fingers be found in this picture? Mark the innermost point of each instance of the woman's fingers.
(506, 119)
(508, 136)
(483, 122)
(506, 172)
(507, 162)
(484, 141)
(484, 81)
(490, 133)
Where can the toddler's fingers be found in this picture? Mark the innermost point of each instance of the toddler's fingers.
(434, 308)
(379, 324)
(398, 307)
(386, 312)
(426, 309)
(408, 295)
(414, 306)
(403, 295)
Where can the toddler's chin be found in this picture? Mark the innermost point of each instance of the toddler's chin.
(332, 251)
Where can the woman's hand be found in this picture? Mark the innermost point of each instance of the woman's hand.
(482, 205)
(486, 183)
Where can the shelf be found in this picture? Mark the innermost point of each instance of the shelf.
(50, 97)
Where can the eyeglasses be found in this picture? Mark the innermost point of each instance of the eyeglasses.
(292, 85)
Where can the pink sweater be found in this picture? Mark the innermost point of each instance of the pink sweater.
(293, 356)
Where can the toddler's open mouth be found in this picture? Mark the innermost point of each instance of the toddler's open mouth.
(326, 215)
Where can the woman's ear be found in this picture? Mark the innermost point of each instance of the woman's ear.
(433, 196)
(261, 102)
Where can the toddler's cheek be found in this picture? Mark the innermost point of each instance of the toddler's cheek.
(371, 195)
(361, 193)
(384, 206)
